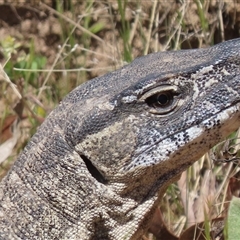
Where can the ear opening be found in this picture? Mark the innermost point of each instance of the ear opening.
(93, 170)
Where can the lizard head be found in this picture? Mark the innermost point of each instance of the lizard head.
(160, 113)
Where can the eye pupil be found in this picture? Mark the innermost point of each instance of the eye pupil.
(164, 99)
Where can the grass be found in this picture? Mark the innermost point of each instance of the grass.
(96, 37)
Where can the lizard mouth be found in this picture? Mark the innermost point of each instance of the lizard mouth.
(232, 112)
(196, 130)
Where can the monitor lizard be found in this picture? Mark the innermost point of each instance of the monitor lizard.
(99, 164)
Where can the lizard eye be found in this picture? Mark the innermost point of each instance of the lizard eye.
(162, 100)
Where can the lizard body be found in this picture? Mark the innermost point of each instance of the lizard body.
(99, 164)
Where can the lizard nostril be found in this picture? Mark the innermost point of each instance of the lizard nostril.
(93, 170)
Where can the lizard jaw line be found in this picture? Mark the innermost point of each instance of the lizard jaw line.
(196, 134)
